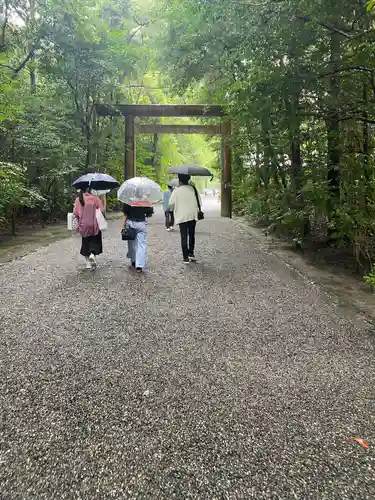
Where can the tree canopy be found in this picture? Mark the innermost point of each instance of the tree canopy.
(296, 78)
(57, 61)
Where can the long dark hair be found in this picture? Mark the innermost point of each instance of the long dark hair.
(81, 197)
(184, 179)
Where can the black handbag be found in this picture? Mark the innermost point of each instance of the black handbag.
(170, 219)
(200, 213)
(128, 233)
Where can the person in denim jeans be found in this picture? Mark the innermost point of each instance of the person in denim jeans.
(136, 217)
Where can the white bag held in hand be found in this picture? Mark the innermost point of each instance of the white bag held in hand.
(102, 223)
(72, 222)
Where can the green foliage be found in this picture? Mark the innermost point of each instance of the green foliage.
(14, 190)
(57, 61)
(370, 277)
(298, 82)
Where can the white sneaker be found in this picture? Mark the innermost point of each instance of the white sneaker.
(88, 264)
(92, 261)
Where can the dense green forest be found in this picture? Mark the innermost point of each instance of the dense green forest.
(296, 78)
(57, 60)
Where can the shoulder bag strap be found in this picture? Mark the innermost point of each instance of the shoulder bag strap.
(196, 197)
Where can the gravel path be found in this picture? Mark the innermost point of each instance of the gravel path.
(229, 379)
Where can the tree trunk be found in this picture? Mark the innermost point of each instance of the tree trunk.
(270, 164)
(239, 169)
(333, 126)
(154, 159)
(89, 123)
(32, 58)
(4, 26)
(88, 142)
(13, 222)
(366, 134)
(294, 132)
(257, 164)
(13, 149)
(294, 129)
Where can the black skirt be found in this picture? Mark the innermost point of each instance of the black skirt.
(92, 245)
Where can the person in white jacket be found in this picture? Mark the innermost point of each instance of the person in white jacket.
(183, 202)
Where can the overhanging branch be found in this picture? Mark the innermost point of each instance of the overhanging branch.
(348, 68)
(21, 66)
(328, 27)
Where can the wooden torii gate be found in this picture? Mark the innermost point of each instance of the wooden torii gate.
(132, 111)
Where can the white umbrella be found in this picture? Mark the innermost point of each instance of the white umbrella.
(140, 191)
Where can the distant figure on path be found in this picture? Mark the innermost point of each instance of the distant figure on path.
(85, 207)
(169, 217)
(136, 217)
(183, 202)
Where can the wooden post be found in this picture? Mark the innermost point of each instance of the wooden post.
(226, 172)
(129, 167)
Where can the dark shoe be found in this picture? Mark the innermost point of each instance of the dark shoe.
(192, 258)
(186, 261)
(139, 269)
(133, 264)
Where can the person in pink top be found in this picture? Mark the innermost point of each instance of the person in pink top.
(85, 207)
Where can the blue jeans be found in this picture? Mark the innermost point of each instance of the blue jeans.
(137, 249)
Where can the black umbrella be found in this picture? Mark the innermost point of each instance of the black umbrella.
(190, 170)
(96, 181)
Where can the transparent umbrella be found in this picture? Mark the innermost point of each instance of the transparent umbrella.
(140, 191)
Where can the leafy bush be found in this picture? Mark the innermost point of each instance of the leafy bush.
(15, 192)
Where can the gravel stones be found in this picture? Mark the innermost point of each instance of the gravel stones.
(227, 379)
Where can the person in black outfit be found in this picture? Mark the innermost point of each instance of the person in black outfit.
(136, 217)
(185, 203)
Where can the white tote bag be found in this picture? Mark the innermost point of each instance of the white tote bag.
(72, 222)
(102, 223)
